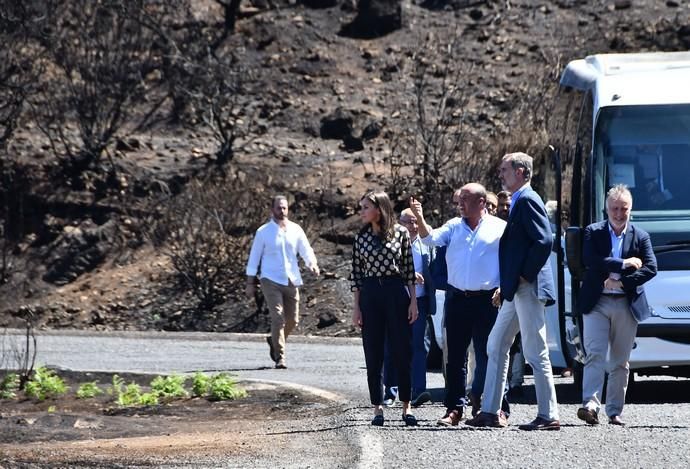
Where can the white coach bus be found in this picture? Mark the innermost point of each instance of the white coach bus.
(631, 125)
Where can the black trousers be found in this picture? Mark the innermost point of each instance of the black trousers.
(469, 317)
(384, 303)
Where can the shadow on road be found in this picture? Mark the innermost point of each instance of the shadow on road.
(643, 391)
(670, 391)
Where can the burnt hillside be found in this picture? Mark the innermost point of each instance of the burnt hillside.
(123, 123)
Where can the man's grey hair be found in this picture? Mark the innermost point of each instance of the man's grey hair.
(277, 198)
(407, 212)
(551, 206)
(618, 191)
(520, 160)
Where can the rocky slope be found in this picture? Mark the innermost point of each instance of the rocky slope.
(331, 116)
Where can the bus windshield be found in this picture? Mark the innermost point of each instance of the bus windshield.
(647, 148)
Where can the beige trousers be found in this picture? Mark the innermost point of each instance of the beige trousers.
(283, 304)
(610, 331)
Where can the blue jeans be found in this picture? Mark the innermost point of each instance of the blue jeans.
(419, 353)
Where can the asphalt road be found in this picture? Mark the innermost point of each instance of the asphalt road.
(658, 412)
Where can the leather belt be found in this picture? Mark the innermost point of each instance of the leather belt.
(388, 280)
(470, 293)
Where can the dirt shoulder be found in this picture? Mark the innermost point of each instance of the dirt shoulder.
(69, 431)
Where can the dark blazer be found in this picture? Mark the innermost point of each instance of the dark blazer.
(599, 263)
(525, 247)
(429, 290)
(439, 269)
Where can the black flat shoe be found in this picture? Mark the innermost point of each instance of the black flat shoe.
(410, 420)
(377, 421)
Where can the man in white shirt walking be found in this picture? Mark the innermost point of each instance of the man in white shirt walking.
(274, 257)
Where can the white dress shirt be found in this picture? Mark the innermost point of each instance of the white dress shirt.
(471, 255)
(275, 249)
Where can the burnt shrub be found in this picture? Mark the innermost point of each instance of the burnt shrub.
(206, 232)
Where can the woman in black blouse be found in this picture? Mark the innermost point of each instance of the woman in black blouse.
(385, 302)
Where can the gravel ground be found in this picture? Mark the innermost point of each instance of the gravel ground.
(657, 435)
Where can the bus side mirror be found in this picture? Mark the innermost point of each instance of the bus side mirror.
(573, 251)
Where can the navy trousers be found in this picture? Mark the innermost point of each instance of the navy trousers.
(384, 303)
(420, 349)
(468, 318)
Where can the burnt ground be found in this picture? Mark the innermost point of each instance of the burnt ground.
(67, 431)
(84, 260)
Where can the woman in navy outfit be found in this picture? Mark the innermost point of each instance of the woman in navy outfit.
(383, 281)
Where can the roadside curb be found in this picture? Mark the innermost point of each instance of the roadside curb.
(321, 393)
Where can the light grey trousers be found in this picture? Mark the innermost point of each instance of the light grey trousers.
(609, 327)
(525, 314)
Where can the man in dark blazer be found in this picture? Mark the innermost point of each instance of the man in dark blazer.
(526, 287)
(619, 259)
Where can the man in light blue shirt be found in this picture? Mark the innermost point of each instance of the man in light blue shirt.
(619, 259)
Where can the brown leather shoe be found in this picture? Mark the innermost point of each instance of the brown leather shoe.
(616, 420)
(588, 415)
(451, 419)
(485, 419)
(541, 424)
(502, 418)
